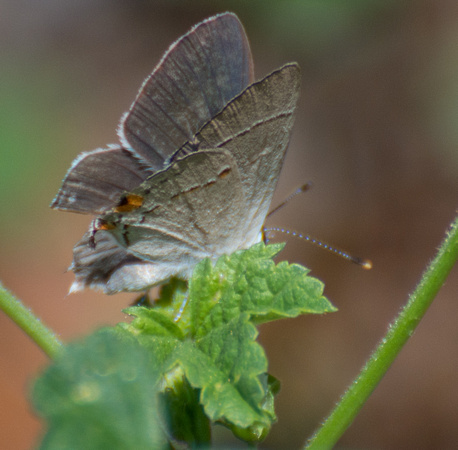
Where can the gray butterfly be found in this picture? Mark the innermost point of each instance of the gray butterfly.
(201, 151)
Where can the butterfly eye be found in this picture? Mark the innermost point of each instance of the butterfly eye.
(129, 202)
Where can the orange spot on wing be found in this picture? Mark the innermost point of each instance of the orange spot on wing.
(225, 173)
(129, 203)
(221, 175)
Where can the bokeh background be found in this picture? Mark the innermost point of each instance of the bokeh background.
(376, 132)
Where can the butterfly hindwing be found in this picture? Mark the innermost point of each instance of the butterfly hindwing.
(189, 211)
(100, 263)
(256, 127)
(96, 180)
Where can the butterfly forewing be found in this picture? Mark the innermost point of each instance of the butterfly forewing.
(199, 74)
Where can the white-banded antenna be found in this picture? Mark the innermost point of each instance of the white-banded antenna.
(364, 263)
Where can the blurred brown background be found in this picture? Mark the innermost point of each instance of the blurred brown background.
(377, 133)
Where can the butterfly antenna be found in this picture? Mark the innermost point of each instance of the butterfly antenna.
(364, 263)
(300, 190)
(180, 312)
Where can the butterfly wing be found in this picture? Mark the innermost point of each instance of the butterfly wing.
(108, 266)
(255, 128)
(195, 79)
(198, 75)
(189, 211)
(96, 180)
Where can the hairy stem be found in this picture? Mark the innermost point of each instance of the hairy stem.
(33, 326)
(390, 346)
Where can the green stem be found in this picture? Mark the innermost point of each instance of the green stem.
(390, 346)
(25, 318)
(186, 419)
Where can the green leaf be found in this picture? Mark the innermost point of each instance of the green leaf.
(152, 321)
(100, 393)
(224, 365)
(232, 361)
(249, 281)
(211, 336)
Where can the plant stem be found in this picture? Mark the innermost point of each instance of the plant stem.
(390, 346)
(186, 419)
(26, 320)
